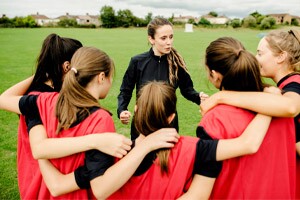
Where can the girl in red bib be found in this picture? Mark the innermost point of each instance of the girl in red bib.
(188, 170)
(74, 113)
(279, 56)
(270, 173)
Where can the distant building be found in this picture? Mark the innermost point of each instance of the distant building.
(67, 16)
(185, 19)
(42, 20)
(88, 19)
(216, 20)
(281, 18)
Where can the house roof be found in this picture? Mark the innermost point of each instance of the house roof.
(38, 16)
(278, 15)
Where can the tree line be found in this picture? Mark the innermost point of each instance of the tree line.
(109, 18)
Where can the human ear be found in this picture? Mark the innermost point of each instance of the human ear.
(66, 66)
(282, 57)
(151, 40)
(217, 76)
(171, 117)
(101, 77)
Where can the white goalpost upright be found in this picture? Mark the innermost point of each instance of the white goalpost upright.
(188, 28)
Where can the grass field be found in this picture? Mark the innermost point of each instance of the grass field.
(19, 49)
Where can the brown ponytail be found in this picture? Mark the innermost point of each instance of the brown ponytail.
(156, 102)
(74, 100)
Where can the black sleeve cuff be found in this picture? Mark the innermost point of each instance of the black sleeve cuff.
(206, 163)
(82, 177)
(29, 109)
(97, 163)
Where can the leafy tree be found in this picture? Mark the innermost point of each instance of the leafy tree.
(267, 23)
(29, 22)
(6, 22)
(213, 13)
(125, 18)
(294, 22)
(191, 21)
(107, 17)
(204, 22)
(236, 23)
(18, 21)
(148, 17)
(67, 23)
(249, 22)
(259, 19)
(171, 19)
(139, 22)
(256, 14)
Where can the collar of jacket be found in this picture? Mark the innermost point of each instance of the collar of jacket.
(158, 58)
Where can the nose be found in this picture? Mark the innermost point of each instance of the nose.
(169, 41)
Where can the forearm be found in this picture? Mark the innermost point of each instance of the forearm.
(298, 148)
(9, 99)
(200, 188)
(56, 182)
(260, 102)
(61, 147)
(247, 143)
(118, 174)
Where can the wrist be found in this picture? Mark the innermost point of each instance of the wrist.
(91, 144)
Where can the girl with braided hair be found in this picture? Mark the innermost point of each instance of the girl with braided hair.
(161, 63)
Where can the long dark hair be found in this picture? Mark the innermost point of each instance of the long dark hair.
(55, 51)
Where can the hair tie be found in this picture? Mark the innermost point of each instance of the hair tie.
(75, 70)
(295, 34)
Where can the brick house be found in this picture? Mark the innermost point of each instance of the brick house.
(281, 18)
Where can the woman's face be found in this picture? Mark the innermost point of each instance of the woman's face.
(266, 59)
(162, 41)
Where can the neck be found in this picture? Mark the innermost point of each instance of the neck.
(281, 74)
(156, 53)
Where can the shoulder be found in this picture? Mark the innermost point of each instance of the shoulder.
(101, 119)
(186, 142)
(224, 121)
(141, 56)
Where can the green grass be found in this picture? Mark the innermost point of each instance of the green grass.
(19, 49)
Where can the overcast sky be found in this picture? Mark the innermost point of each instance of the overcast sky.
(140, 8)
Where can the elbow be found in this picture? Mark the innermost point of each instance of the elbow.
(293, 111)
(55, 190)
(99, 194)
(36, 154)
(252, 148)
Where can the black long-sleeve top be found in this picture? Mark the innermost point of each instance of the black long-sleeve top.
(147, 67)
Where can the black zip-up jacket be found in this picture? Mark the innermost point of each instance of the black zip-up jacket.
(147, 67)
